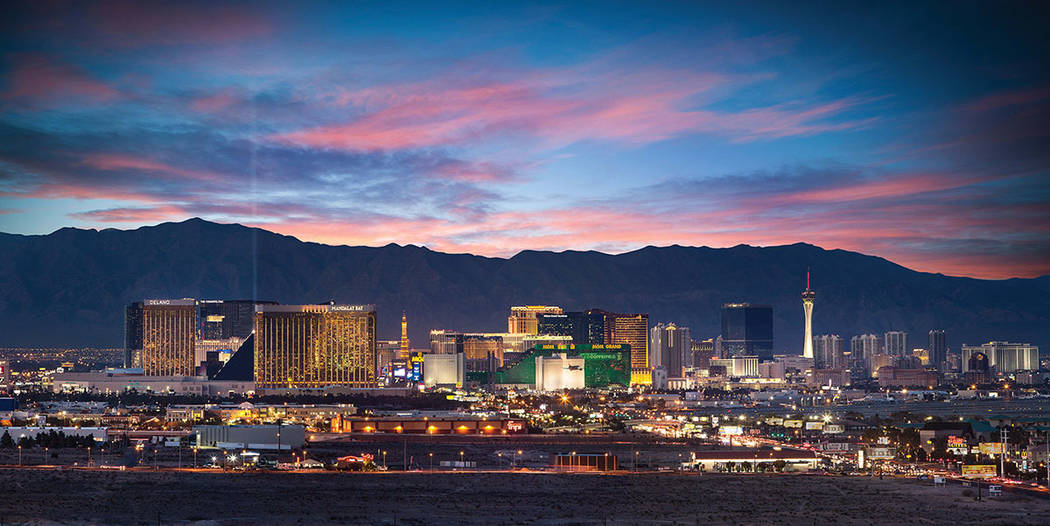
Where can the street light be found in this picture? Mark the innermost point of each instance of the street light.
(431, 455)
(19, 454)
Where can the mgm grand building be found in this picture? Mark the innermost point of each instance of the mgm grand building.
(315, 346)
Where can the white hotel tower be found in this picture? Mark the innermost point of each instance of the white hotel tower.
(807, 306)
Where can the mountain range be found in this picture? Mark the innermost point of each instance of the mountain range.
(68, 288)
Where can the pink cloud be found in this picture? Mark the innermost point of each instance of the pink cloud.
(35, 76)
(558, 108)
(908, 232)
(133, 214)
(216, 102)
(60, 190)
(116, 162)
(1009, 98)
(883, 187)
(912, 233)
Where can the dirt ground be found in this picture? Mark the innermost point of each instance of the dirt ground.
(39, 497)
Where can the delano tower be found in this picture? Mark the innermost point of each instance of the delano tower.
(807, 307)
(160, 336)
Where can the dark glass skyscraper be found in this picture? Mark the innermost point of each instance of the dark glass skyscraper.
(747, 330)
(571, 324)
(132, 333)
(938, 348)
(585, 328)
(225, 319)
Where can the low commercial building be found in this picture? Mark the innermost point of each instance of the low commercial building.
(586, 462)
(250, 437)
(1031, 377)
(304, 413)
(340, 390)
(175, 385)
(184, 413)
(738, 365)
(425, 425)
(248, 412)
(957, 434)
(898, 377)
(119, 381)
(17, 433)
(793, 459)
(828, 377)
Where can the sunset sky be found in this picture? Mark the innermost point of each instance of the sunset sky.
(919, 134)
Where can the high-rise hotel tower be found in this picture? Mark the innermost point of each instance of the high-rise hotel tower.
(313, 346)
(160, 336)
(807, 307)
(525, 320)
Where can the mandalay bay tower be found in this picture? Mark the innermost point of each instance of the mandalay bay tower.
(315, 346)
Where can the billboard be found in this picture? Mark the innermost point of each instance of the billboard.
(881, 453)
(792, 423)
(978, 471)
(555, 374)
(834, 429)
(416, 373)
(954, 441)
(991, 448)
(835, 446)
(730, 430)
(814, 426)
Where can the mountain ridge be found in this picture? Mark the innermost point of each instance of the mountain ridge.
(67, 288)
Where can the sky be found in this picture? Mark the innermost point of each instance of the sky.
(915, 132)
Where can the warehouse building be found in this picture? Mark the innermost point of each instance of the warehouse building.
(250, 437)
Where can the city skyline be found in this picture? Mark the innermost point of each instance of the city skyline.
(373, 262)
(858, 293)
(539, 126)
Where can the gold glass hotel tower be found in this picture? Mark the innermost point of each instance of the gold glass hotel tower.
(312, 346)
(168, 337)
(633, 330)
